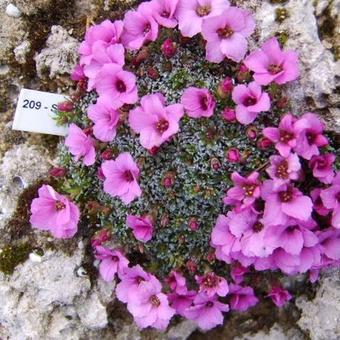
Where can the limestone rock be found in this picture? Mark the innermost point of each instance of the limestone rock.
(321, 316)
(60, 55)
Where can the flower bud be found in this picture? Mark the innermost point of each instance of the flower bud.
(66, 106)
(107, 154)
(264, 143)
(233, 155)
(193, 223)
(153, 151)
(142, 55)
(100, 174)
(215, 164)
(243, 73)
(282, 103)
(153, 73)
(169, 48)
(225, 88)
(191, 266)
(229, 115)
(251, 132)
(58, 172)
(168, 180)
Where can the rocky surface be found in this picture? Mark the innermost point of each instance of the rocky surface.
(54, 295)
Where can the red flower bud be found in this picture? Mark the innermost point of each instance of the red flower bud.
(153, 151)
(58, 172)
(169, 48)
(193, 223)
(225, 88)
(168, 180)
(191, 266)
(107, 154)
(251, 132)
(153, 73)
(215, 164)
(66, 106)
(142, 55)
(229, 115)
(264, 143)
(233, 155)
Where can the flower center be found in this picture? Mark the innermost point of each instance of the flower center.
(257, 227)
(162, 126)
(147, 28)
(274, 69)
(321, 164)
(204, 102)
(209, 304)
(139, 280)
(249, 101)
(128, 176)
(285, 136)
(225, 33)
(282, 170)
(210, 280)
(165, 14)
(286, 196)
(59, 205)
(155, 301)
(311, 137)
(259, 205)
(202, 11)
(115, 258)
(249, 189)
(120, 85)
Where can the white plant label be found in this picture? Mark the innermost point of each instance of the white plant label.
(36, 111)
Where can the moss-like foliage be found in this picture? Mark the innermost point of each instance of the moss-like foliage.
(11, 256)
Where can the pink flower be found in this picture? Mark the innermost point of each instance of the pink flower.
(169, 48)
(107, 32)
(331, 200)
(151, 307)
(132, 281)
(317, 202)
(284, 202)
(226, 34)
(284, 136)
(55, 213)
(310, 137)
(121, 177)
(271, 64)
(292, 236)
(111, 262)
(237, 272)
(233, 155)
(117, 84)
(279, 295)
(206, 311)
(81, 145)
(101, 237)
(181, 301)
(103, 54)
(282, 170)
(330, 243)
(140, 27)
(154, 121)
(176, 281)
(242, 298)
(225, 87)
(142, 227)
(212, 284)
(250, 101)
(164, 12)
(191, 13)
(105, 119)
(322, 167)
(198, 102)
(229, 115)
(245, 190)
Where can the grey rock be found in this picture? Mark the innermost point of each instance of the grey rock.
(21, 52)
(60, 55)
(321, 316)
(13, 11)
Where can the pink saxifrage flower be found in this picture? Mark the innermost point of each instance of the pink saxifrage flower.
(164, 12)
(206, 311)
(55, 213)
(140, 26)
(250, 101)
(142, 227)
(169, 48)
(242, 298)
(198, 102)
(112, 262)
(121, 177)
(279, 295)
(105, 119)
(107, 32)
(212, 284)
(151, 307)
(271, 64)
(285, 136)
(233, 155)
(237, 272)
(154, 121)
(322, 167)
(117, 84)
(81, 145)
(191, 13)
(226, 34)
